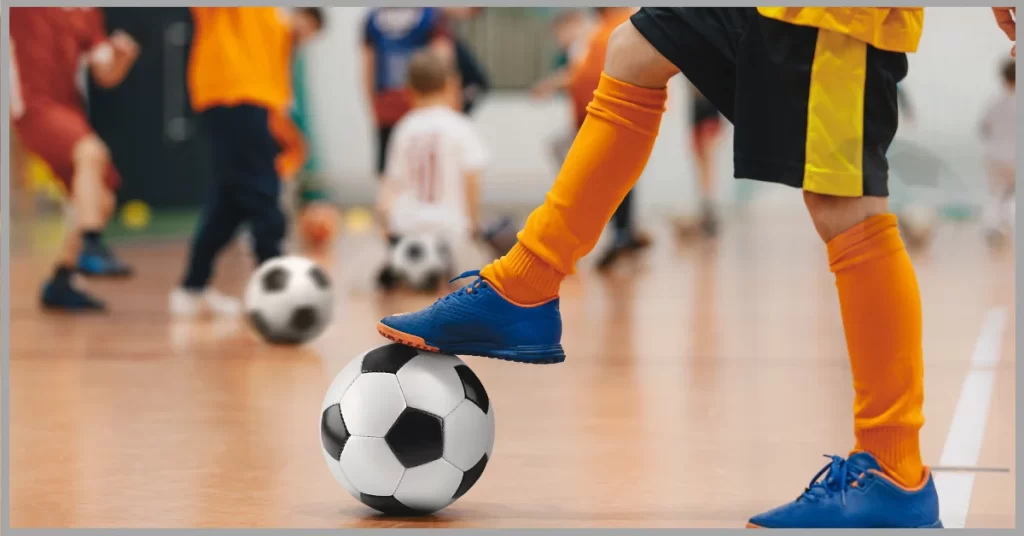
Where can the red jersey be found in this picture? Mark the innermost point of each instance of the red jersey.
(48, 44)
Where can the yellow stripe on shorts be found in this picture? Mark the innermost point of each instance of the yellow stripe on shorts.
(835, 117)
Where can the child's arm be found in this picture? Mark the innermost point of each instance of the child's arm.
(110, 58)
(557, 81)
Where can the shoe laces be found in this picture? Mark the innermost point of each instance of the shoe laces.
(468, 289)
(836, 477)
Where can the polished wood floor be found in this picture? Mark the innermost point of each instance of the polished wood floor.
(703, 382)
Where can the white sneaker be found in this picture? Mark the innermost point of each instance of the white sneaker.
(187, 303)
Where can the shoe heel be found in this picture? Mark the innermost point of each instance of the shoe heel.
(936, 525)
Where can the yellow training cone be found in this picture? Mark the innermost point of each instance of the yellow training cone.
(135, 215)
(358, 220)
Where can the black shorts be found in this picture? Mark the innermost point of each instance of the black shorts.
(812, 109)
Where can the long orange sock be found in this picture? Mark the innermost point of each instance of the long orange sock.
(606, 159)
(881, 308)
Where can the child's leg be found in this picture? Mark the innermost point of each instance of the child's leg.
(218, 225)
(258, 189)
(605, 161)
(62, 137)
(89, 195)
(221, 216)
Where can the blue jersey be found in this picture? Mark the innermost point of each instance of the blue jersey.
(395, 33)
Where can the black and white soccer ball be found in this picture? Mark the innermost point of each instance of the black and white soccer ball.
(289, 300)
(422, 262)
(406, 432)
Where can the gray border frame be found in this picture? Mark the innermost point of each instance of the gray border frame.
(5, 244)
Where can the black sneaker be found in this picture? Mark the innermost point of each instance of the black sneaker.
(60, 294)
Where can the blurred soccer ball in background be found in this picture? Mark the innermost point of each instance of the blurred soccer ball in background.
(288, 300)
(422, 262)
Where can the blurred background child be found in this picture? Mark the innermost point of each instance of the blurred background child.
(48, 113)
(705, 133)
(240, 80)
(432, 179)
(999, 138)
(391, 35)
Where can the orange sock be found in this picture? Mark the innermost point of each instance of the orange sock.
(606, 159)
(881, 308)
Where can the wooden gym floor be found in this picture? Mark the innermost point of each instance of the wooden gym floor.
(703, 382)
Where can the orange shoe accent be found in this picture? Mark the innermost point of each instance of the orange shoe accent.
(404, 338)
(927, 473)
(753, 526)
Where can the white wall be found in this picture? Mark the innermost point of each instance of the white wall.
(950, 81)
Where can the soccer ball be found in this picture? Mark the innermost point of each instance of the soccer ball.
(289, 300)
(421, 261)
(406, 432)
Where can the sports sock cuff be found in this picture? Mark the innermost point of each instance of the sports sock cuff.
(532, 280)
(633, 107)
(897, 450)
(870, 239)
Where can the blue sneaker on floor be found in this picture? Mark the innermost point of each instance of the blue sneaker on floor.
(60, 294)
(477, 320)
(99, 261)
(853, 493)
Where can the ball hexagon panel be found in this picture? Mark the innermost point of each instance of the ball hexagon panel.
(339, 475)
(370, 466)
(464, 444)
(372, 404)
(341, 382)
(416, 438)
(430, 383)
(429, 487)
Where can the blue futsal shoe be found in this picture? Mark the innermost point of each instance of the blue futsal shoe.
(478, 320)
(97, 260)
(853, 493)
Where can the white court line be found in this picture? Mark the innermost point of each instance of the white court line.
(963, 443)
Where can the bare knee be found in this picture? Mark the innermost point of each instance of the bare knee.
(833, 215)
(91, 152)
(632, 59)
